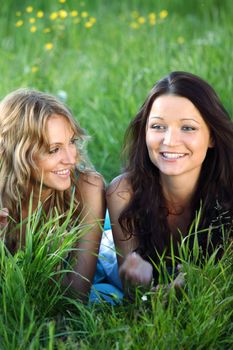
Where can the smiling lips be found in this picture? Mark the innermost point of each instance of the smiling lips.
(64, 172)
(169, 155)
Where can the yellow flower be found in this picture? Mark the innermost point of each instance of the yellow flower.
(134, 25)
(32, 20)
(48, 46)
(46, 30)
(29, 9)
(74, 13)
(40, 14)
(76, 20)
(18, 14)
(34, 69)
(135, 14)
(33, 29)
(88, 24)
(63, 14)
(180, 40)
(84, 14)
(152, 22)
(61, 27)
(92, 20)
(152, 16)
(19, 23)
(141, 20)
(53, 16)
(62, 1)
(163, 14)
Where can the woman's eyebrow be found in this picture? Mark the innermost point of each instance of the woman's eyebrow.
(60, 143)
(155, 116)
(55, 143)
(182, 119)
(194, 120)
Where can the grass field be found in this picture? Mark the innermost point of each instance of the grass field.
(102, 58)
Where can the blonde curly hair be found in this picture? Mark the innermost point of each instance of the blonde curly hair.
(23, 117)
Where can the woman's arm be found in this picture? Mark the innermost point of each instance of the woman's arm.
(91, 188)
(132, 268)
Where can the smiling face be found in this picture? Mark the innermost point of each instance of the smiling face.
(54, 166)
(177, 137)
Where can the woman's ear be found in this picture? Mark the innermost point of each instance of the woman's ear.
(211, 142)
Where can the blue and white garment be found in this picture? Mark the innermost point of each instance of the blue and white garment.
(107, 284)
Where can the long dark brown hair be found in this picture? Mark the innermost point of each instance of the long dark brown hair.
(146, 214)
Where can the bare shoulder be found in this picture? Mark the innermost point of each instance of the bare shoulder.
(120, 187)
(91, 189)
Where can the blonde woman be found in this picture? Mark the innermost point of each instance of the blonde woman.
(39, 156)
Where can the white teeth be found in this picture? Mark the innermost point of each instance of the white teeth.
(62, 172)
(173, 155)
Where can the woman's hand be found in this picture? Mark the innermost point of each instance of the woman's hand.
(135, 271)
(4, 213)
(178, 284)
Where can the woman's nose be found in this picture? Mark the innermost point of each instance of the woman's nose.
(171, 137)
(69, 156)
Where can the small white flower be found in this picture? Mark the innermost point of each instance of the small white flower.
(62, 95)
(144, 298)
(26, 69)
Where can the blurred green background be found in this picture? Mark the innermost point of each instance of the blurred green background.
(102, 57)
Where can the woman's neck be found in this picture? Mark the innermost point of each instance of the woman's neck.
(36, 198)
(177, 192)
(178, 200)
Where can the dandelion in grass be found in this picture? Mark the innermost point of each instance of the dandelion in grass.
(88, 25)
(134, 25)
(61, 27)
(74, 13)
(29, 9)
(163, 14)
(134, 14)
(152, 22)
(32, 20)
(63, 14)
(34, 69)
(40, 14)
(62, 1)
(18, 14)
(46, 30)
(152, 18)
(53, 16)
(84, 14)
(76, 20)
(92, 20)
(180, 40)
(141, 20)
(33, 29)
(48, 46)
(19, 23)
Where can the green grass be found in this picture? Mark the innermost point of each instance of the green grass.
(106, 72)
(36, 314)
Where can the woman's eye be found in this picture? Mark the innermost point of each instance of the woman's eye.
(158, 127)
(73, 141)
(188, 128)
(54, 150)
